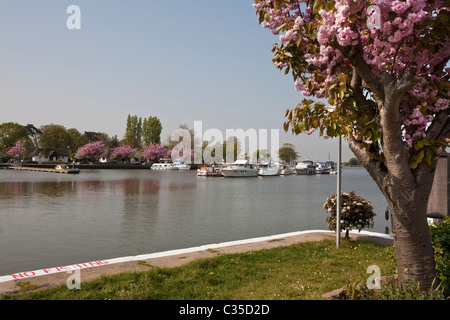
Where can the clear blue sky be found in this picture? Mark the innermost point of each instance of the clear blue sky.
(179, 60)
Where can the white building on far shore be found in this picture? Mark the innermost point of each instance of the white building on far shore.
(42, 155)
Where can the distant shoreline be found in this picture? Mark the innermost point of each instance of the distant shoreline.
(112, 165)
(145, 166)
(85, 166)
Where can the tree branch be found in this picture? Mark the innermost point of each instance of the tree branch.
(394, 148)
(365, 105)
(374, 167)
(355, 55)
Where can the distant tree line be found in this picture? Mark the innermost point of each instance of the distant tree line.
(142, 135)
(49, 136)
(352, 162)
(138, 133)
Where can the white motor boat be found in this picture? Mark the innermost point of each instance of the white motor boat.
(321, 168)
(181, 166)
(305, 168)
(208, 171)
(332, 169)
(66, 169)
(163, 166)
(286, 171)
(268, 169)
(240, 168)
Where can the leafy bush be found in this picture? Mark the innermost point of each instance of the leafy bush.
(390, 252)
(409, 290)
(440, 238)
(356, 213)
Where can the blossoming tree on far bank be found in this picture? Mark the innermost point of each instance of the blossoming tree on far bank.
(91, 150)
(155, 152)
(125, 152)
(17, 150)
(378, 70)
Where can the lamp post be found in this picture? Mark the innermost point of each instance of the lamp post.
(338, 196)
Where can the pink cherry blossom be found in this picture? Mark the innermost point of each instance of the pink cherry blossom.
(392, 47)
(18, 149)
(90, 150)
(155, 152)
(399, 6)
(123, 151)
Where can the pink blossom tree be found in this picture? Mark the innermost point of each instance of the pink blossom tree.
(91, 150)
(378, 70)
(182, 155)
(124, 151)
(155, 152)
(17, 150)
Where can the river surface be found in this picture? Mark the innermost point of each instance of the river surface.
(49, 219)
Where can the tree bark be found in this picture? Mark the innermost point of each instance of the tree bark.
(408, 202)
(413, 249)
(406, 190)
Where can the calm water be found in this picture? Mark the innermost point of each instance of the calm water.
(49, 219)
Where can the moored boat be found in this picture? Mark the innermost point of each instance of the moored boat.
(208, 171)
(321, 168)
(331, 165)
(163, 166)
(181, 166)
(286, 170)
(306, 167)
(240, 168)
(269, 169)
(66, 169)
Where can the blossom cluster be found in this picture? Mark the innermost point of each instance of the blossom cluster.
(396, 37)
(123, 151)
(151, 152)
(420, 113)
(17, 149)
(155, 152)
(91, 149)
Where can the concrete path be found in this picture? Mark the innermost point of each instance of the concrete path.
(47, 278)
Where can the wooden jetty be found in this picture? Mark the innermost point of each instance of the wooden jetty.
(57, 169)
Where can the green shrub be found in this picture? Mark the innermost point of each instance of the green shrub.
(409, 290)
(440, 238)
(390, 252)
(356, 213)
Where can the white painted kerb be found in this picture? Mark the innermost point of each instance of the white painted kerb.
(41, 272)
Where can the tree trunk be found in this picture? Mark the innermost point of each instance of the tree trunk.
(413, 249)
(406, 190)
(408, 202)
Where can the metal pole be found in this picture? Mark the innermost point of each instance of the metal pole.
(338, 197)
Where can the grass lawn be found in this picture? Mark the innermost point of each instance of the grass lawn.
(303, 271)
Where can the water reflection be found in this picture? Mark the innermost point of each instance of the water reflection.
(90, 187)
(13, 189)
(50, 220)
(139, 211)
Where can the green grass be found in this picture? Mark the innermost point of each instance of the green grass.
(301, 271)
